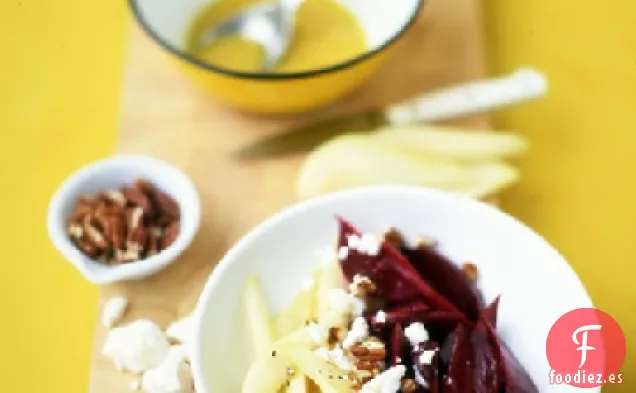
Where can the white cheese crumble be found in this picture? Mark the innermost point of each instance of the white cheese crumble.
(343, 253)
(134, 385)
(114, 310)
(173, 375)
(359, 331)
(380, 317)
(343, 305)
(427, 357)
(181, 330)
(369, 245)
(137, 347)
(366, 244)
(416, 333)
(386, 382)
(398, 359)
(353, 241)
(317, 333)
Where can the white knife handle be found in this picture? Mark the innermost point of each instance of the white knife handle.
(471, 98)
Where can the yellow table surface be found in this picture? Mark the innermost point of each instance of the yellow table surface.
(59, 83)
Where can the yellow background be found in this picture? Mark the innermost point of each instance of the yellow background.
(60, 73)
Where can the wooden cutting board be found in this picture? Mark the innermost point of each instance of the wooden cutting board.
(164, 116)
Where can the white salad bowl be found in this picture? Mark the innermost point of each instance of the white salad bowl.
(536, 284)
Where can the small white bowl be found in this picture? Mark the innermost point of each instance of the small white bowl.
(115, 172)
(536, 284)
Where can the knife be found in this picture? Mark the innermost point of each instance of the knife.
(467, 99)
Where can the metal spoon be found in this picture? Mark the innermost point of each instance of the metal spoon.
(270, 25)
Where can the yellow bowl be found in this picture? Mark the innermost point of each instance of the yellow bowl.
(383, 22)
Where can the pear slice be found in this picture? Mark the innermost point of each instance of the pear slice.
(354, 161)
(266, 375)
(328, 377)
(453, 143)
(295, 316)
(258, 317)
(298, 384)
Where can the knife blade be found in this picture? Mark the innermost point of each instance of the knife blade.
(454, 102)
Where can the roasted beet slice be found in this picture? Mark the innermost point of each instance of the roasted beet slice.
(426, 361)
(395, 278)
(398, 345)
(487, 375)
(515, 377)
(437, 321)
(445, 278)
(490, 312)
(460, 377)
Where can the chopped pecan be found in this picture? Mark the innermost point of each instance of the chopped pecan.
(424, 241)
(138, 198)
(394, 238)
(87, 247)
(408, 385)
(116, 197)
(369, 353)
(129, 255)
(470, 271)
(93, 233)
(167, 205)
(334, 336)
(83, 206)
(126, 224)
(75, 230)
(362, 286)
(170, 234)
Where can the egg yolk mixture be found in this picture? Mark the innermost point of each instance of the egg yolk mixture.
(326, 33)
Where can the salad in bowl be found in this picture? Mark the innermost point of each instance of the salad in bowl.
(384, 290)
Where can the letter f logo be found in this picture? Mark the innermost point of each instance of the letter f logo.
(583, 343)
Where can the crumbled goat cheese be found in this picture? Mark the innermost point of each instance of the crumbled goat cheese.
(114, 310)
(137, 347)
(386, 382)
(427, 357)
(398, 359)
(359, 331)
(182, 330)
(416, 333)
(344, 305)
(343, 253)
(173, 375)
(369, 245)
(380, 317)
(134, 385)
(353, 241)
(317, 333)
